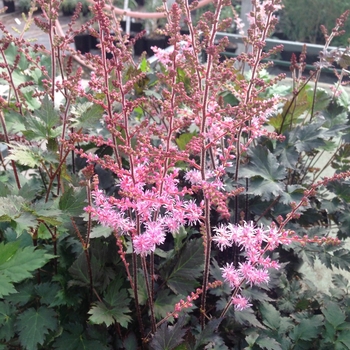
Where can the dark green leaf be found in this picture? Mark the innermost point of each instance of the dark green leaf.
(207, 334)
(265, 172)
(341, 259)
(100, 313)
(45, 124)
(100, 231)
(33, 325)
(130, 342)
(189, 266)
(309, 137)
(307, 329)
(270, 316)
(320, 100)
(114, 308)
(264, 164)
(168, 337)
(333, 314)
(47, 292)
(247, 317)
(26, 293)
(80, 271)
(340, 281)
(19, 263)
(76, 339)
(72, 202)
(6, 286)
(344, 338)
(287, 153)
(86, 115)
(340, 188)
(164, 303)
(7, 320)
(268, 343)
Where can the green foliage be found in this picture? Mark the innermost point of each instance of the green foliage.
(17, 264)
(33, 325)
(182, 270)
(113, 308)
(67, 282)
(168, 337)
(302, 23)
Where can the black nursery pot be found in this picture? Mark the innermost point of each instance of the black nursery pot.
(82, 43)
(139, 46)
(10, 6)
(93, 43)
(135, 27)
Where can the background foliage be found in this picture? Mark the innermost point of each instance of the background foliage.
(64, 278)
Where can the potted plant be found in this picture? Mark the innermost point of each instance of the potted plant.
(26, 5)
(10, 6)
(153, 37)
(68, 7)
(298, 22)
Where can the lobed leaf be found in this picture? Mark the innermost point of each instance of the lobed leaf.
(33, 325)
(168, 337)
(189, 266)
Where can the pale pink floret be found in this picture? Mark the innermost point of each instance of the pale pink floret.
(240, 302)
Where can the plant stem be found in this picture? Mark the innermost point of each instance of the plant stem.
(13, 164)
(149, 293)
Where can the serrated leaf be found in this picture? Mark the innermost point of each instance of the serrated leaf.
(287, 153)
(307, 329)
(6, 286)
(341, 259)
(45, 124)
(189, 266)
(265, 172)
(164, 303)
(80, 271)
(268, 343)
(114, 308)
(168, 337)
(320, 100)
(340, 188)
(72, 202)
(206, 335)
(309, 137)
(75, 339)
(266, 189)
(100, 314)
(340, 281)
(33, 325)
(184, 139)
(247, 317)
(7, 320)
(11, 208)
(25, 293)
(86, 115)
(100, 231)
(344, 338)
(264, 164)
(270, 316)
(19, 264)
(30, 156)
(47, 292)
(333, 314)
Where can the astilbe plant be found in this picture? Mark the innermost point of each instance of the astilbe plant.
(199, 173)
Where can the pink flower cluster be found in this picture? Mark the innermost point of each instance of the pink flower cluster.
(145, 212)
(255, 241)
